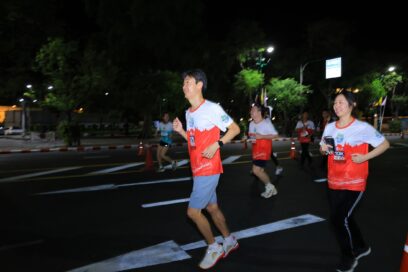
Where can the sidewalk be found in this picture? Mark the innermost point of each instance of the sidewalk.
(17, 144)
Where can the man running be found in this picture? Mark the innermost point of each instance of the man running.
(205, 119)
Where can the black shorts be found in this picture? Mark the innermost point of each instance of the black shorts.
(259, 163)
(162, 143)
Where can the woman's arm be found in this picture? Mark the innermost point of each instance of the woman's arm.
(359, 158)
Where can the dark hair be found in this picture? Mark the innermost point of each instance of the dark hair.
(198, 75)
(351, 99)
(262, 109)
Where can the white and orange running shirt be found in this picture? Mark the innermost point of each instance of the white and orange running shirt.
(343, 173)
(203, 129)
(261, 148)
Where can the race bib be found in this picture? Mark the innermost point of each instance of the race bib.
(339, 156)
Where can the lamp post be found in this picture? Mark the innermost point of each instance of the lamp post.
(303, 67)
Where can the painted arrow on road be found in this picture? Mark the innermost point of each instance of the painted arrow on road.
(170, 251)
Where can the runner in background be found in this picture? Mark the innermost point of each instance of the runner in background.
(261, 132)
(165, 128)
(305, 129)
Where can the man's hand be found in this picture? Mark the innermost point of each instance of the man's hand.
(210, 151)
(177, 125)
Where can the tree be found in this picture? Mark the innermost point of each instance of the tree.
(248, 81)
(390, 82)
(288, 95)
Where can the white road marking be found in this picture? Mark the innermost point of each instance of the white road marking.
(179, 163)
(231, 159)
(112, 186)
(155, 182)
(25, 244)
(402, 144)
(170, 251)
(39, 174)
(320, 180)
(117, 168)
(82, 189)
(164, 203)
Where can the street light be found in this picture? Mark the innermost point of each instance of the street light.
(391, 69)
(302, 69)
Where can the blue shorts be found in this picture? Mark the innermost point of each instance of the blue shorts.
(204, 191)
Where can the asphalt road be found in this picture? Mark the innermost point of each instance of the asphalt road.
(61, 211)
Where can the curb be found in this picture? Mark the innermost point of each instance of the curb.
(99, 147)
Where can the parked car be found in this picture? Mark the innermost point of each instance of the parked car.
(1, 130)
(13, 130)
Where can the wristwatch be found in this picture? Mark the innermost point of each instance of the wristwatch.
(220, 143)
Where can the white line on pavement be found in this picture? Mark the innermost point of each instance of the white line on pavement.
(39, 174)
(155, 182)
(112, 186)
(164, 203)
(30, 243)
(231, 159)
(320, 180)
(401, 144)
(179, 163)
(82, 189)
(117, 168)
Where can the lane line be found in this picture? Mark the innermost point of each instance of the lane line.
(402, 144)
(179, 163)
(155, 182)
(112, 186)
(164, 203)
(231, 159)
(39, 174)
(117, 168)
(82, 189)
(24, 244)
(320, 180)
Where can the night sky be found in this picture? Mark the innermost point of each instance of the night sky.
(372, 27)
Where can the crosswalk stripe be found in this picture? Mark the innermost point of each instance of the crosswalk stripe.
(231, 159)
(39, 174)
(117, 168)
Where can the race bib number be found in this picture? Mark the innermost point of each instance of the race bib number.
(339, 156)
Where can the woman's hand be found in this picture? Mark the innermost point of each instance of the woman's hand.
(358, 158)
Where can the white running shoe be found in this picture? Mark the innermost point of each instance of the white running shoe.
(161, 169)
(212, 256)
(270, 190)
(230, 245)
(278, 170)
